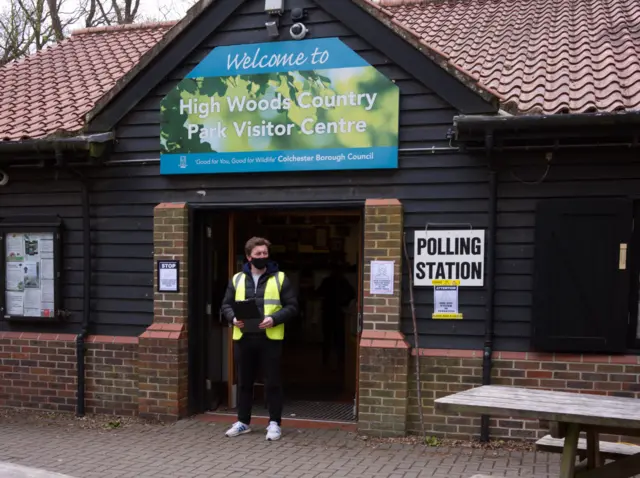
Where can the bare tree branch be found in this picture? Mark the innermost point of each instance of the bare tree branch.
(56, 24)
(27, 26)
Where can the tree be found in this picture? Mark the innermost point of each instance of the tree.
(15, 40)
(109, 12)
(27, 26)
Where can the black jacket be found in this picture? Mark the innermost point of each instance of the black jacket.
(288, 296)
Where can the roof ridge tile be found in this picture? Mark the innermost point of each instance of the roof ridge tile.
(126, 27)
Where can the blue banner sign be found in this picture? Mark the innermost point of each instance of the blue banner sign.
(282, 106)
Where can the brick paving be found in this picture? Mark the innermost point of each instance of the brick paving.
(194, 448)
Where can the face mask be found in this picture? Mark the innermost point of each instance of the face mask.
(259, 262)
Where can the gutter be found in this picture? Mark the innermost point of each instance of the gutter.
(503, 122)
(475, 127)
(56, 144)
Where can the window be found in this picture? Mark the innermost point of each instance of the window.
(581, 279)
(30, 268)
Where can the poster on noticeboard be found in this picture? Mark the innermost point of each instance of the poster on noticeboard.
(29, 274)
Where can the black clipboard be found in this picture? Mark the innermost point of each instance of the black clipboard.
(248, 312)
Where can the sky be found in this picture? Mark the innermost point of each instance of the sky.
(158, 10)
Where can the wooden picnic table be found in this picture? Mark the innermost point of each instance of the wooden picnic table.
(572, 412)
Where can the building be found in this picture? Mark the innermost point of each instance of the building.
(498, 132)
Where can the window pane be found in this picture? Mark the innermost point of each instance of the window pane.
(29, 285)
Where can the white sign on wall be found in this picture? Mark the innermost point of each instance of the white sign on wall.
(449, 255)
(382, 277)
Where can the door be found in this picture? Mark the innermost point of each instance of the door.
(581, 280)
(214, 283)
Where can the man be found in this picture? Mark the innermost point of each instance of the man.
(337, 293)
(261, 280)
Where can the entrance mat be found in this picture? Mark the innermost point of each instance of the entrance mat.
(304, 410)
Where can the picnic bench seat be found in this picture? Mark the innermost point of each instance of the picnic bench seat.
(608, 450)
(574, 414)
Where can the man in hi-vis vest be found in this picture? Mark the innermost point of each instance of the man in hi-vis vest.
(261, 280)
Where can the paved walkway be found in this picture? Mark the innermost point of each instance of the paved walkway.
(194, 449)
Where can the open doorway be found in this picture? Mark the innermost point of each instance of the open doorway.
(321, 253)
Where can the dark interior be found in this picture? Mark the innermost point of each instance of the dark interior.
(307, 245)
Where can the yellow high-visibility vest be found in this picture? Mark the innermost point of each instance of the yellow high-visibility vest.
(272, 302)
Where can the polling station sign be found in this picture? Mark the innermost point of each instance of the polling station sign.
(280, 106)
(449, 255)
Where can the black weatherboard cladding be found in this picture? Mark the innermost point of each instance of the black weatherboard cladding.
(580, 174)
(445, 187)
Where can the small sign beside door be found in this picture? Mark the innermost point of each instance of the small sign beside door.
(168, 276)
(382, 277)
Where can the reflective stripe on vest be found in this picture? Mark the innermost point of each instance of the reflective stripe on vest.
(272, 302)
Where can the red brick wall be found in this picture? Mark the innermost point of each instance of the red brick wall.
(448, 371)
(39, 371)
(112, 375)
(382, 241)
(384, 368)
(163, 374)
(384, 354)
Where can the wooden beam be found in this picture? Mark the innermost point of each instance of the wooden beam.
(568, 461)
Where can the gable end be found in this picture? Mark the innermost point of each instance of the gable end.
(207, 16)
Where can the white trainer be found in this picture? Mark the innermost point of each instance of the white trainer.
(238, 428)
(273, 431)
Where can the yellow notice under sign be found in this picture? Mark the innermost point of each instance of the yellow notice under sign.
(446, 316)
(445, 282)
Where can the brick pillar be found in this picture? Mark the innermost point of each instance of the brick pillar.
(384, 354)
(163, 349)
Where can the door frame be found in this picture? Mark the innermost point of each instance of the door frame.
(360, 309)
(231, 369)
(197, 380)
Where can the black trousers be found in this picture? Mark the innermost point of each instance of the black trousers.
(254, 353)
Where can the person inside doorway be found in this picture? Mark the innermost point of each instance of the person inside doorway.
(260, 279)
(336, 293)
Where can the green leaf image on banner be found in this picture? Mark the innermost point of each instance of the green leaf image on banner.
(297, 110)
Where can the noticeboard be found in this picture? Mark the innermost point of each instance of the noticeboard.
(30, 273)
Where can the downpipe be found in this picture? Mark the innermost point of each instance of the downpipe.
(487, 351)
(86, 296)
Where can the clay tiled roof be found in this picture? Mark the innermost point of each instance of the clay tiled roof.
(51, 91)
(539, 56)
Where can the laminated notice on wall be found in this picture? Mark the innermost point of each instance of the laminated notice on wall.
(445, 299)
(382, 277)
(29, 274)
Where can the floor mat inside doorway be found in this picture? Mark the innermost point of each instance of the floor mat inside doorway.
(305, 410)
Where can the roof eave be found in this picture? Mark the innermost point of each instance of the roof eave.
(578, 128)
(51, 144)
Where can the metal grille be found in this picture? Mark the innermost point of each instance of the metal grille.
(305, 410)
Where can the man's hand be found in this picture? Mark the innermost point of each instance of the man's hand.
(238, 323)
(266, 323)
